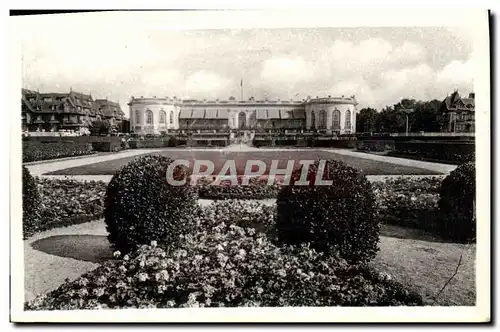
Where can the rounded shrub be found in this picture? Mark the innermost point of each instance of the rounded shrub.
(141, 206)
(31, 204)
(457, 204)
(341, 216)
(173, 141)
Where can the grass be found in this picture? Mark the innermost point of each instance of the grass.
(424, 263)
(369, 167)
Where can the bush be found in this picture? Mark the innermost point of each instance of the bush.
(457, 203)
(37, 151)
(221, 265)
(141, 206)
(173, 141)
(31, 204)
(375, 145)
(340, 216)
(110, 146)
(452, 151)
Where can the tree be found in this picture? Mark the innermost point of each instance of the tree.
(426, 116)
(366, 120)
(391, 121)
(100, 127)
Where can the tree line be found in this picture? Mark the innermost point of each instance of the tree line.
(422, 116)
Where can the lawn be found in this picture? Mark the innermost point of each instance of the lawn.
(369, 167)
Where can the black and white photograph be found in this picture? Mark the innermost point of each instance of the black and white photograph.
(237, 166)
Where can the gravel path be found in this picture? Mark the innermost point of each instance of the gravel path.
(44, 272)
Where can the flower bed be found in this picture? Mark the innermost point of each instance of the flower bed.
(224, 265)
(68, 202)
(409, 202)
(36, 151)
(257, 188)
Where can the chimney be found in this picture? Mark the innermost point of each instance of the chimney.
(472, 95)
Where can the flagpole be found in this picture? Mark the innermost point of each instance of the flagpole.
(241, 88)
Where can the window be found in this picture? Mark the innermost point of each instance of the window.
(137, 117)
(336, 119)
(163, 116)
(171, 117)
(347, 120)
(322, 119)
(149, 117)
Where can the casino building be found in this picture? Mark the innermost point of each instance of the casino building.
(160, 115)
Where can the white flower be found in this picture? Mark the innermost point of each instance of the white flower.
(116, 254)
(259, 290)
(163, 274)
(142, 277)
(141, 263)
(83, 292)
(126, 257)
(154, 243)
(83, 281)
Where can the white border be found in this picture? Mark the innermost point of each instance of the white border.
(476, 20)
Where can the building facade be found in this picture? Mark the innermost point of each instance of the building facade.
(159, 115)
(458, 113)
(69, 111)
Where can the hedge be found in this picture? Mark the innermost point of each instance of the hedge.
(375, 145)
(141, 205)
(457, 204)
(445, 151)
(339, 216)
(31, 204)
(38, 151)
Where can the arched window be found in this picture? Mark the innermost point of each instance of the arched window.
(336, 119)
(347, 120)
(313, 120)
(322, 120)
(242, 120)
(149, 117)
(137, 117)
(171, 117)
(163, 116)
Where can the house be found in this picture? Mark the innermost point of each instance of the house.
(63, 111)
(458, 114)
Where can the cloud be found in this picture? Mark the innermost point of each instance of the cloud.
(460, 73)
(367, 56)
(285, 70)
(205, 84)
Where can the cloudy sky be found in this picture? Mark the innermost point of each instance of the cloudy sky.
(377, 65)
